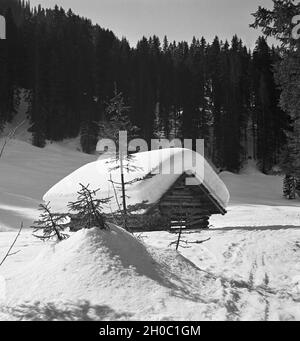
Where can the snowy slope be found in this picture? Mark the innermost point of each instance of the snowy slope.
(158, 162)
(248, 270)
(253, 187)
(256, 200)
(20, 123)
(259, 269)
(94, 276)
(238, 275)
(26, 172)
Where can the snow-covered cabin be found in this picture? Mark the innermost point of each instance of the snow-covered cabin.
(177, 187)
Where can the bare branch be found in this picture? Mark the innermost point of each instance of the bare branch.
(14, 253)
(115, 193)
(8, 254)
(200, 241)
(9, 137)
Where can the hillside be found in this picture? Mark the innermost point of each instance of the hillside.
(27, 172)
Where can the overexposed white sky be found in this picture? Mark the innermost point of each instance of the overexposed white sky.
(178, 19)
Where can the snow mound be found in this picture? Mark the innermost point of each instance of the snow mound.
(159, 163)
(110, 274)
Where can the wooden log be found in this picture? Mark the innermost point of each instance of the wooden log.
(199, 212)
(182, 202)
(178, 223)
(187, 207)
(200, 222)
(187, 193)
(179, 197)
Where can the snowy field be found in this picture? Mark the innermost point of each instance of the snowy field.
(249, 270)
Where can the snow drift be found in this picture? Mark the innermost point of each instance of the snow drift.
(107, 275)
(110, 275)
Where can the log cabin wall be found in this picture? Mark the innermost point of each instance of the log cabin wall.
(188, 206)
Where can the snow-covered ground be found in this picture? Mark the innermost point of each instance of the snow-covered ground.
(26, 173)
(249, 269)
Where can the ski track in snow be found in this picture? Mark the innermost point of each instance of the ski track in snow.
(249, 270)
(244, 275)
(259, 270)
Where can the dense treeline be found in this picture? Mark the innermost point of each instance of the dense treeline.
(279, 22)
(218, 91)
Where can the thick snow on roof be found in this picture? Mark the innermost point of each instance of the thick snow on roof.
(155, 172)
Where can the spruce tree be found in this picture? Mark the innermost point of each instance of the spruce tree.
(290, 165)
(117, 121)
(197, 90)
(289, 187)
(52, 225)
(278, 23)
(270, 121)
(88, 209)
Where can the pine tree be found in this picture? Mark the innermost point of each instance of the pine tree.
(118, 120)
(89, 210)
(269, 120)
(298, 187)
(215, 95)
(50, 224)
(8, 65)
(124, 163)
(197, 90)
(89, 129)
(290, 165)
(278, 22)
(88, 137)
(145, 89)
(38, 138)
(289, 187)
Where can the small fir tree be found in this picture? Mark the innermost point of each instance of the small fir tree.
(117, 121)
(89, 209)
(50, 224)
